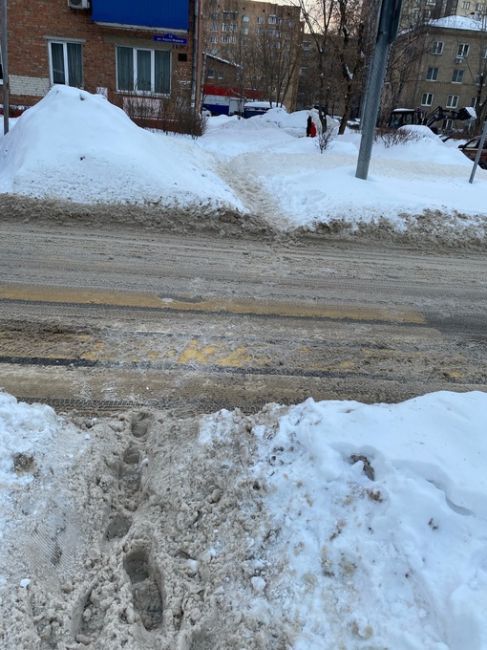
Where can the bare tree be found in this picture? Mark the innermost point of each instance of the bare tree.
(405, 56)
(481, 74)
(267, 59)
(339, 33)
(318, 17)
(351, 51)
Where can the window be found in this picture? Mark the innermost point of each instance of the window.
(245, 19)
(484, 55)
(245, 30)
(480, 7)
(452, 101)
(463, 50)
(260, 20)
(437, 47)
(210, 73)
(466, 5)
(457, 76)
(432, 74)
(427, 99)
(66, 63)
(141, 70)
(1, 66)
(272, 20)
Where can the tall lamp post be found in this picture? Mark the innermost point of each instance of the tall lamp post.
(388, 25)
(4, 46)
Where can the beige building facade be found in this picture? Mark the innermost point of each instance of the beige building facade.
(451, 70)
(263, 38)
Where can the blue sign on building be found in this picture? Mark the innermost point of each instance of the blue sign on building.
(170, 38)
(163, 14)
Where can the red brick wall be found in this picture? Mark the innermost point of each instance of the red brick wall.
(31, 21)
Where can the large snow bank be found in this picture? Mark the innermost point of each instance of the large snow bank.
(78, 146)
(320, 526)
(288, 180)
(33, 440)
(378, 519)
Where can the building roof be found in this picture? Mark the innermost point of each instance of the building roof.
(459, 22)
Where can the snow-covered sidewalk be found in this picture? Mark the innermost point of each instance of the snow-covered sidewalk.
(78, 147)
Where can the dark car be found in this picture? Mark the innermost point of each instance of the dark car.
(471, 148)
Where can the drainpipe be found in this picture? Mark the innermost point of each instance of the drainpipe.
(4, 46)
(195, 81)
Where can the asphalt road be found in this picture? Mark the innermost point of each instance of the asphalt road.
(105, 318)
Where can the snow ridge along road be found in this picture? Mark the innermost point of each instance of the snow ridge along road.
(94, 317)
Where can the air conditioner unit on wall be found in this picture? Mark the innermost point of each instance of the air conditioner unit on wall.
(79, 4)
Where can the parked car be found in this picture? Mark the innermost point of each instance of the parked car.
(471, 148)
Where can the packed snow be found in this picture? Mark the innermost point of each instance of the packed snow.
(459, 22)
(359, 526)
(77, 146)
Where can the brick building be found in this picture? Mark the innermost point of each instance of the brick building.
(118, 48)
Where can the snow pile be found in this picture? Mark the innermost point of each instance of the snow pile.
(320, 526)
(458, 22)
(378, 522)
(32, 438)
(295, 123)
(78, 146)
(24, 429)
(287, 180)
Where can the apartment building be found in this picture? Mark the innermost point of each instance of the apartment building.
(452, 66)
(258, 37)
(117, 48)
(417, 11)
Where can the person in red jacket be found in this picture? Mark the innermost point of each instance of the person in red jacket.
(310, 128)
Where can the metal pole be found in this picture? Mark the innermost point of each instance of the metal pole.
(389, 19)
(483, 138)
(4, 45)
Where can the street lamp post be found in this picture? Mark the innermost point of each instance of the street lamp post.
(4, 46)
(386, 33)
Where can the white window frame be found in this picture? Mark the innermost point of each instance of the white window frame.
(457, 72)
(466, 4)
(437, 47)
(434, 76)
(64, 43)
(136, 91)
(452, 101)
(463, 50)
(426, 96)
